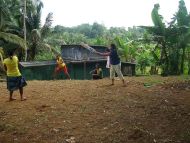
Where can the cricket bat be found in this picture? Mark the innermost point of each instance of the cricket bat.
(88, 47)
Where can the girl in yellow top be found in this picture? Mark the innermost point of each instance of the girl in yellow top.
(14, 78)
(61, 66)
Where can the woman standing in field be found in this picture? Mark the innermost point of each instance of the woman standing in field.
(114, 63)
(14, 78)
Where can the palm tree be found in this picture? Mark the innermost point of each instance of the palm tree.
(9, 30)
(37, 38)
(35, 33)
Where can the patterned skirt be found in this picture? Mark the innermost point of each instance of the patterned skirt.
(14, 83)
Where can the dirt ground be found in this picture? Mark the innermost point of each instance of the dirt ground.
(150, 109)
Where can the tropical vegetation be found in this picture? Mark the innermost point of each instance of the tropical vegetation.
(162, 48)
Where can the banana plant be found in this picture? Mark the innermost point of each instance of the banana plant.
(128, 50)
(123, 49)
(183, 24)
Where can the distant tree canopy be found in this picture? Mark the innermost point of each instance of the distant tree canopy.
(164, 46)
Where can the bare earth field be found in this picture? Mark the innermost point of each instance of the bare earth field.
(149, 110)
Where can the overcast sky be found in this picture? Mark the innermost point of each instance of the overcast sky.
(111, 13)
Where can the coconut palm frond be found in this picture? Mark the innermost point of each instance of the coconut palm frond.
(46, 28)
(49, 48)
(13, 39)
(1, 54)
(10, 28)
(1, 50)
(40, 5)
(1, 59)
(36, 36)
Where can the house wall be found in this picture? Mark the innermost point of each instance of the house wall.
(77, 70)
(80, 62)
(81, 70)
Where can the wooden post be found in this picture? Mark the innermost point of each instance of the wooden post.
(72, 70)
(84, 69)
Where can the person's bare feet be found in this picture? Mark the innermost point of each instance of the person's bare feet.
(124, 83)
(12, 99)
(23, 99)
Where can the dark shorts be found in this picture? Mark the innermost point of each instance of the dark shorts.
(14, 83)
(95, 76)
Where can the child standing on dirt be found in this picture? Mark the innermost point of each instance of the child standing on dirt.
(14, 78)
(60, 66)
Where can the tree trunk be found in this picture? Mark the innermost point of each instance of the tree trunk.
(182, 61)
(1, 63)
(33, 51)
(24, 27)
(165, 63)
(188, 57)
(189, 68)
(1, 57)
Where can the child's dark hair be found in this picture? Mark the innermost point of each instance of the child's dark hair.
(10, 54)
(58, 55)
(113, 46)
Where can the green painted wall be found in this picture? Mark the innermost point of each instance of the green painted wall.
(76, 71)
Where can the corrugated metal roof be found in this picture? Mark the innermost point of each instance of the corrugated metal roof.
(78, 55)
(36, 63)
(77, 52)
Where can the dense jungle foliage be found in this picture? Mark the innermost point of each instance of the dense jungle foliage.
(162, 48)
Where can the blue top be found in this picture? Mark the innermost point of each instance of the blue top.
(114, 58)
